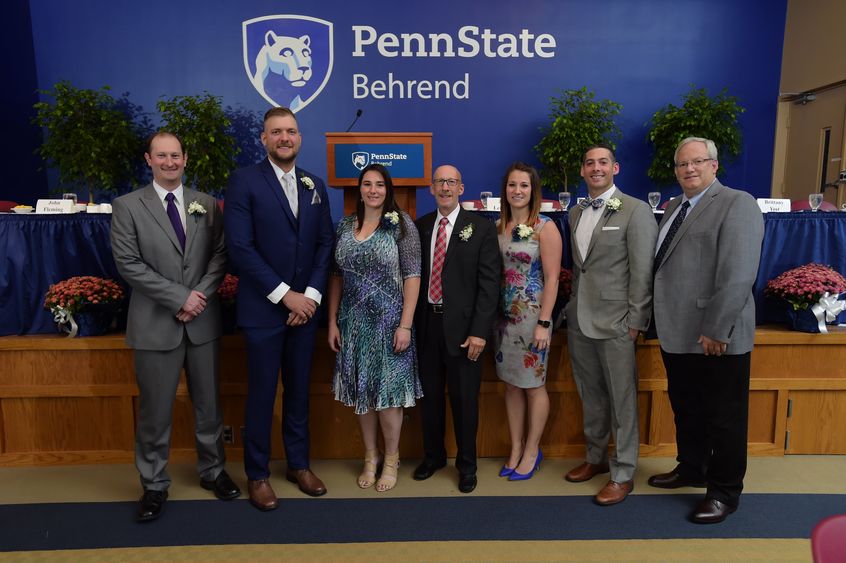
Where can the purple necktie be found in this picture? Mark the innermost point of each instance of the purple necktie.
(173, 213)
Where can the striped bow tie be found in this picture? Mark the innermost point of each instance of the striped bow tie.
(595, 203)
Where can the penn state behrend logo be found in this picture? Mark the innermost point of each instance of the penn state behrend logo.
(360, 159)
(288, 58)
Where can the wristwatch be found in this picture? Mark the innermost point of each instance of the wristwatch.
(545, 324)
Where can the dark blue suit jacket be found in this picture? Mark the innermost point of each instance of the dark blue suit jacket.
(268, 245)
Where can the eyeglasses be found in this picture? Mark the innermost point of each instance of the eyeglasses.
(451, 182)
(697, 163)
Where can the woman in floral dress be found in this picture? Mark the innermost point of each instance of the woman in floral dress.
(372, 296)
(531, 252)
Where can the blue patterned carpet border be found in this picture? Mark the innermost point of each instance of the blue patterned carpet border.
(98, 525)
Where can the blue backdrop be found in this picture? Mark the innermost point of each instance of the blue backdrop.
(641, 54)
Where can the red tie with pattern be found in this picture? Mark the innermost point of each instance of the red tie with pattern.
(435, 289)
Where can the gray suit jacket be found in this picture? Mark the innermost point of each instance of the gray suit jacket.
(612, 284)
(704, 284)
(149, 258)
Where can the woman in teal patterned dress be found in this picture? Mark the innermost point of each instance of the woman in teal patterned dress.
(531, 252)
(372, 296)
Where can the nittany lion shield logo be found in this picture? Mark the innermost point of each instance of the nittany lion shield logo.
(288, 58)
(360, 159)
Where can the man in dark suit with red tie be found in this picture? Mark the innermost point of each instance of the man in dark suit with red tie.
(167, 241)
(456, 309)
(279, 234)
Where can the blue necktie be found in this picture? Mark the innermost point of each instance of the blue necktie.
(173, 214)
(595, 203)
(665, 244)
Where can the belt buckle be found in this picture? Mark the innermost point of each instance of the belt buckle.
(437, 307)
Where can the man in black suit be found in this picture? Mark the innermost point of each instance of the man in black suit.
(456, 309)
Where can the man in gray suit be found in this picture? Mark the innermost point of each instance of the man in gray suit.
(168, 245)
(706, 262)
(613, 240)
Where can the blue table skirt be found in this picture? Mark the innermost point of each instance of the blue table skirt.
(795, 239)
(39, 250)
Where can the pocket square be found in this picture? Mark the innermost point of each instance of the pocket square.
(610, 228)
(315, 199)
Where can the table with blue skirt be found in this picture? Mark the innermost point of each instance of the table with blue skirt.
(39, 250)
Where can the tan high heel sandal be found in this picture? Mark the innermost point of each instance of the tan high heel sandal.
(388, 479)
(368, 474)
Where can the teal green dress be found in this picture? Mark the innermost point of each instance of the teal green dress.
(369, 375)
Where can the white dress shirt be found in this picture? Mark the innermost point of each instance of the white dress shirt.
(587, 223)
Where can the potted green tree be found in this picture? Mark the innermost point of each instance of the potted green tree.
(576, 121)
(205, 130)
(90, 138)
(701, 115)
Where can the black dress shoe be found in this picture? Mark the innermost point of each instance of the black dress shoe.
(467, 483)
(426, 469)
(711, 511)
(151, 504)
(224, 488)
(674, 480)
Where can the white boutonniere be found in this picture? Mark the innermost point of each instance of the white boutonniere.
(466, 233)
(307, 182)
(391, 218)
(613, 204)
(196, 208)
(523, 232)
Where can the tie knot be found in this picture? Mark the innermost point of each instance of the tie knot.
(443, 222)
(685, 205)
(170, 197)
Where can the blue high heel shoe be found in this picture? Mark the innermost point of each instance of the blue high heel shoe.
(515, 476)
(506, 471)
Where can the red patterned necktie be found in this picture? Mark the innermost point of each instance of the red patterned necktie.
(435, 289)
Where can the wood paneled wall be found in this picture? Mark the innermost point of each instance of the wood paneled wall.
(66, 401)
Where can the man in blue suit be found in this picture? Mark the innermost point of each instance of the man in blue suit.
(279, 234)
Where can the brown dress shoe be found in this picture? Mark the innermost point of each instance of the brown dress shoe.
(585, 472)
(308, 482)
(614, 493)
(673, 480)
(262, 495)
(711, 511)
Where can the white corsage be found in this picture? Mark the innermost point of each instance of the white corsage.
(523, 232)
(196, 208)
(307, 182)
(614, 204)
(466, 233)
(391, 218)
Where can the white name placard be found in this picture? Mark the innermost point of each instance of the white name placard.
(493, 204)
(54, 206)
(768, 205)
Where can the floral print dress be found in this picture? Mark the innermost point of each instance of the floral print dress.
(517, 360)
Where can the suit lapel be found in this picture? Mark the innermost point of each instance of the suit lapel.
(275, 187)
(460, 222)
(603, 220)
(190, 220)
(691, 217)
(576, 215)
(150, 200)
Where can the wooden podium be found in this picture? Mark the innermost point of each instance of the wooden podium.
(407, 156)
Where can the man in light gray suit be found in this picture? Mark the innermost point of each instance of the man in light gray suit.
(168, 245)
(613, 241)
(706, 262)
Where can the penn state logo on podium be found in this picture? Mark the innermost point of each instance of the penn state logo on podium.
(360, 159)
(288, 58)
